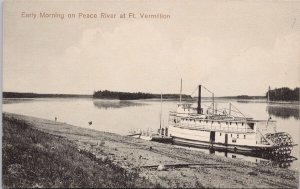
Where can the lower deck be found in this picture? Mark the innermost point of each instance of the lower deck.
(216, 146)
(209, 137)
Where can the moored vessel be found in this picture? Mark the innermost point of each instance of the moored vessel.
(226, 129)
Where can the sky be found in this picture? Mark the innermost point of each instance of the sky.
(231, 47)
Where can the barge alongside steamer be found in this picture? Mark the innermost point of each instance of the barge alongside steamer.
(221, 130)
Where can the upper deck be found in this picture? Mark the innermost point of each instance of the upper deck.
(187, 117)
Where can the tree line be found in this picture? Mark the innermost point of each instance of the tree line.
(134, 96)
(36, 95)
(284, 93)
(242, 97)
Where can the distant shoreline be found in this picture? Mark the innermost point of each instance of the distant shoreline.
(17, 95)
(37, 95)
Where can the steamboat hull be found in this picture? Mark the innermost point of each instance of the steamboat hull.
(246, 150)
(228, 142)
(277, 153)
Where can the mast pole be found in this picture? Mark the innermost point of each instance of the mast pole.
(199, 101)
(213, 101)
(180, 90)
(160, 110)
(269, 95)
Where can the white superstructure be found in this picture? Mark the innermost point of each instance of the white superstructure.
(212, 128)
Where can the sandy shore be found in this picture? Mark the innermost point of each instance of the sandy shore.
(136, 154)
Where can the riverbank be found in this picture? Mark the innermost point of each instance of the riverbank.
(45, 153)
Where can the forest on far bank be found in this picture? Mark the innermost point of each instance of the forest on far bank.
(284, 94)
(135, 96)
(277, 94)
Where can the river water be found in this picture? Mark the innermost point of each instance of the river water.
(122, 116)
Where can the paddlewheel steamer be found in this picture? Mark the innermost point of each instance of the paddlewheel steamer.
(223, 130)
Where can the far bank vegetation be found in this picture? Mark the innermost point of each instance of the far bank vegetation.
(284, 94)
(105, 94)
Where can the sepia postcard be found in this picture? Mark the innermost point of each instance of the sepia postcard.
(150, 94)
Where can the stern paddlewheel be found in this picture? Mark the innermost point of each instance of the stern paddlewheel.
(282, 144)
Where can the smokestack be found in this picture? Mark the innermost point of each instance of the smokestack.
(269, 94)
(199, 101)
(180, 90)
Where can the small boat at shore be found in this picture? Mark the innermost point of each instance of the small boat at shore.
(153, 136)
(222, 129)
(160, 136)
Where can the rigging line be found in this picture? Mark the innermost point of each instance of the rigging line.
(207, 89)
(235, 111)
(194, 91)
(209, 106)
(238, 110)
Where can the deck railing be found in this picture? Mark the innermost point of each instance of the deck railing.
(224, 128)
(238, 130)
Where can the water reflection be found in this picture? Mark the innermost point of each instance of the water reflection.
(252, 101)
(284, 112)
(259, 158)
(107, 104)
(18, 100)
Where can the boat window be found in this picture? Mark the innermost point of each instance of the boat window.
(229, 123)
(219, 122)
(231, 135)
(226, 123)
(234, 140)
(251, 125)
(220, 134)
(212, 122)
(237, 136)
(244, 136)
(236, 123)
(242, 123)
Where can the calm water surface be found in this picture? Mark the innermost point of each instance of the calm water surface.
(122, 116)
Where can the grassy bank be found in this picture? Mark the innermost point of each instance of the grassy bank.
(32, 158)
